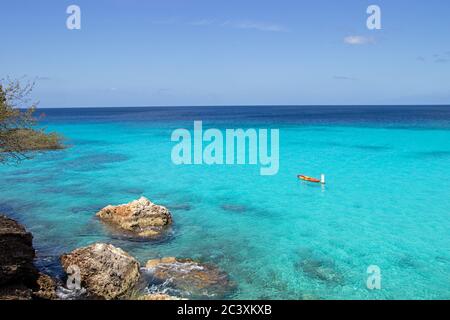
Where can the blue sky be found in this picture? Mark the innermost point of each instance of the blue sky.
(228, 52)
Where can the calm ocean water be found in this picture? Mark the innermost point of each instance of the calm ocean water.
(386, 201)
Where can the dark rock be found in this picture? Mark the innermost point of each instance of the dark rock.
(15, 292)
(19, 278)
(16, 254)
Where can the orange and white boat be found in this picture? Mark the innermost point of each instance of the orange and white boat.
(311, 179)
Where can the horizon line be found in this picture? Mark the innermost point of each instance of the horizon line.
(250, 105)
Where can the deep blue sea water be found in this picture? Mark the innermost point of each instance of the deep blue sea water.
(386, 201)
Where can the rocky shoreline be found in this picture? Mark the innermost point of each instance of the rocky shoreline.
(19, 278)
(103, 271)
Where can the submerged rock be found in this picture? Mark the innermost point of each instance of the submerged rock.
(188, 278)
(140, 217)
(105, 271)
(319, 269)
(234, 208)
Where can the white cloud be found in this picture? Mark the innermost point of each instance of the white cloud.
(245, 24)
(441, 60)
(168, 21)
(358, 40)
(345, 78)
(203, 22)
(260, 26)
(437, 57)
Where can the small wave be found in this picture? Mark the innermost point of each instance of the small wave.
(70, 294)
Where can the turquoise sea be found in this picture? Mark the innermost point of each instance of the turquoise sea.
(386, 201)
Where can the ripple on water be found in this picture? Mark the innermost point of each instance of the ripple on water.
(371, 147)
(68, 190)
(94, 162)
(92, 208)
(180, 207)
(29, 179)
(234, 208)
(87, 142)
(438, 154)
(133, 191)
(22, 172)
(363, 147)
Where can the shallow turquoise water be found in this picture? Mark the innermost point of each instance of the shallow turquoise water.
(386, 201)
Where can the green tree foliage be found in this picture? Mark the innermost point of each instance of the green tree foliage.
(19, 136)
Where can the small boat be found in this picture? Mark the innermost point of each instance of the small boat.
(309, 179)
